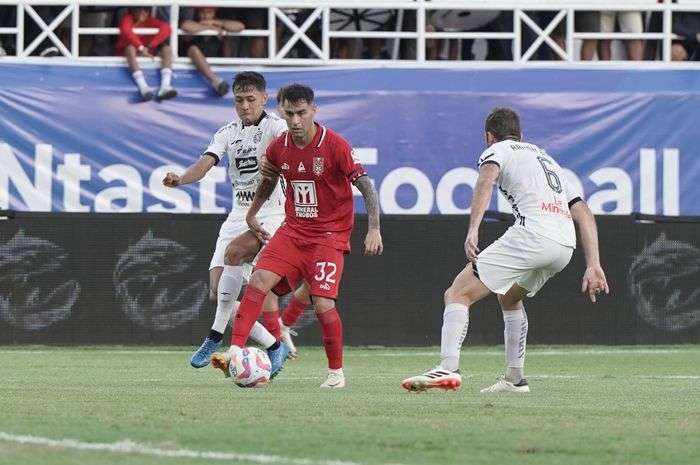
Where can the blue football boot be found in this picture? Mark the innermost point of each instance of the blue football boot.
(201, 358)
(277, 358)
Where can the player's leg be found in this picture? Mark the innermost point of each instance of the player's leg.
(332, 332)
(294, 309)
(323, 271)
(271, 315)
(466, 289)
(277, 260)
(515, 341)
(225, 283)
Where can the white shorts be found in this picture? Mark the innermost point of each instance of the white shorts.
(630, 21)
(233, 227)
(520, 257)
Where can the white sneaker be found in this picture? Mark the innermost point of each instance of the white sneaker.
(438, 378)
(506, 386)
(287, 333)
(335, 380)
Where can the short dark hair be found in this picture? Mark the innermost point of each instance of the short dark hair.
(503, 123)
(246, 79)
(280, 94)
(297, 92)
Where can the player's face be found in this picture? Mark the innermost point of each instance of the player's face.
(249, 103)
(299, 117)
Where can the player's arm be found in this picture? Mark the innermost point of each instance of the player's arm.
(594, 278)
(262, 193)
(193, 173)
(373, 241)
(488, 173)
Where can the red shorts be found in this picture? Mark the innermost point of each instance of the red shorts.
(295, 259)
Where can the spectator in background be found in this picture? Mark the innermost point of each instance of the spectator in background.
(588, 21)
(132, 45)
(96, 16)
(630, 22)
(687, 25)
(201, 47)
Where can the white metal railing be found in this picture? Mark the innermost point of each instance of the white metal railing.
(281, 14)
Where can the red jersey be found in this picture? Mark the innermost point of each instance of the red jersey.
(127, 35)
(319, 207)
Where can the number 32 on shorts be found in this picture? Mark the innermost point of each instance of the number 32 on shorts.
(325, 273)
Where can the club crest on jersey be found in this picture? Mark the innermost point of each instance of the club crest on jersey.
(318, 166)
(285, 166)
(258, 136)
(300, 168)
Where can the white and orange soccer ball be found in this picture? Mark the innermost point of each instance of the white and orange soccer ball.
(249, 367)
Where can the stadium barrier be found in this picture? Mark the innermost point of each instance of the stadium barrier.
(142, 278)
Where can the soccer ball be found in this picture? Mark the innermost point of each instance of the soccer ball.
(249, 367)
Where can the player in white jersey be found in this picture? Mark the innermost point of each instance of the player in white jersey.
(244, 141)
(536, 247)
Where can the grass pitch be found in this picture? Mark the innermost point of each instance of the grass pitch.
(588, 405)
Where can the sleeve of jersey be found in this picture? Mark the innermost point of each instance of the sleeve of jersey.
(348, 162)
(217, 145)
(573, 194)
(491, 155)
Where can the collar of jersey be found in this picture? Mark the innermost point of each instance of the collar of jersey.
(262, 117)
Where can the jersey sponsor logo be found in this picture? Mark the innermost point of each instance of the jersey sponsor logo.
(247, 165)
(305, 200)
(318, 166)
(285, 166)
(300, 168)
(245, 197)
(556, 207)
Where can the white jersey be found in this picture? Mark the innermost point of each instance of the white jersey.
(245, 146)
(536, 188)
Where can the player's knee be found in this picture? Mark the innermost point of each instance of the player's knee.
(261, 281)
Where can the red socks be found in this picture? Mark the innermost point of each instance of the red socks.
(293, 311)
(271, 321)
(332, 331)
(247, 314)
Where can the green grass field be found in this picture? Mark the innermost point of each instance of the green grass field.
(588, 405)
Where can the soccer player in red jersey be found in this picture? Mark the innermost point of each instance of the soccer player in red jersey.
(319, 169)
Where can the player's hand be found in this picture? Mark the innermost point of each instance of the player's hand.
(146, 52)
(594, 282)
(373, 242)
(268, 170)
(171, 180)
(257, 229)
(471, 245)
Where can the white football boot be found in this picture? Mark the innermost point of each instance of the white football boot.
(287, 334)
(437, 378)
(335, 380)
(506, 386)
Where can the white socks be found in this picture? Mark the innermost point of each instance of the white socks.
(141, 82)
(515, 336)
(229, 287)
(166, 76)
(455, 322)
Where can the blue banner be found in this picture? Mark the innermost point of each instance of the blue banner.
(79, 139)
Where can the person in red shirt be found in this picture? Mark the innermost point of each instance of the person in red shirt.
(133, 45)
(319, 169)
